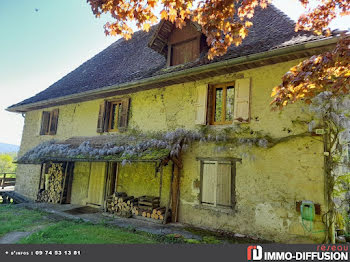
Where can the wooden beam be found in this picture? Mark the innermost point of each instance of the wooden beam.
(41, 176)
(107, 184)
(175, 193)
(170, 195)
(70, 182)
(231, 159)
(160, 182)
(64, 182)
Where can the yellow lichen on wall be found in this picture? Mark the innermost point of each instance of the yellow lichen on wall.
(88, 183)
(269, 181)
(27, 180)
(268, 184)
(140, 179)
(80, 183)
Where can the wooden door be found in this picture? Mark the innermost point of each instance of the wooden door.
(96, 184)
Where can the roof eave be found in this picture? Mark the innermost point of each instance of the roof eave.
(129, 86)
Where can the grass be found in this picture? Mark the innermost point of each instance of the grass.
(64, 231)
(71, 232)
(18, 219)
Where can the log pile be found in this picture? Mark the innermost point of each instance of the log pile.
(53, 190)
(121, 204)
(127, 206)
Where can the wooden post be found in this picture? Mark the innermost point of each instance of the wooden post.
(175, 192)
(107, 185)
(116, 177)
(160, 182)
(41, 176)
(70, 181)
(165, 219)
(3, 181)
(64, 182)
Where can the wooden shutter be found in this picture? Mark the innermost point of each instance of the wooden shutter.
(242, 100)
(210, 106)
(107, 115)
(101, 117)
(209, 182)
(125, 114)
(223, 190)
(45, 120)
(53, 122)
(201, 105)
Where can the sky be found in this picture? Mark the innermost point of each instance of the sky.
(41, 41)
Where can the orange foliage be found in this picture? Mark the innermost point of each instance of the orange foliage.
(329, 71)
(224, 22)
(319, 18)
(214, 16)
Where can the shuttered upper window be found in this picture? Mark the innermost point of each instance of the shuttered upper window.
(49, 121)
(223, 104)
(217, 183)
(113, 115)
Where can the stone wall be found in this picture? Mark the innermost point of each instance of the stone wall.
(269, 181)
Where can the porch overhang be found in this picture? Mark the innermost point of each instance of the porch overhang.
(105, 148)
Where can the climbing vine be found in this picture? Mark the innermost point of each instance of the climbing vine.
(140, 145)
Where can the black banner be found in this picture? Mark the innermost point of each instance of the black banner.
(166, 253)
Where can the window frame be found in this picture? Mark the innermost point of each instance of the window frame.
(120, 105)
(195, 41)
(226, 160)
(48, 131)
(212, 103)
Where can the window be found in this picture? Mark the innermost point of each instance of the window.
(49, 121)
(217, 182)
(223, 97)
(184, 45)
(113, 115)
(223, 104)
(184, 52)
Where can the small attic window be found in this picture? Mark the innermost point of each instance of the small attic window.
(184, 52)
(179, 46)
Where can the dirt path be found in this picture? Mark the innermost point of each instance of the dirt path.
(14, 237)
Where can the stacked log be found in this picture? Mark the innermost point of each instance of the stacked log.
(121, 204)
(52, 192)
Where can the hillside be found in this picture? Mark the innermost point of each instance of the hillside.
(8, 148)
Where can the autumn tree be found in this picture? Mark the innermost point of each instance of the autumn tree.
(322, 81)
(224, 22)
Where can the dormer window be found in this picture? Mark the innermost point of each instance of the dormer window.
(184, 52)
(179, 46)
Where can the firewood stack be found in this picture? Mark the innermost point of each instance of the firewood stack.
(126, 206)
(150, 207)
(121, 204)
(54, 186)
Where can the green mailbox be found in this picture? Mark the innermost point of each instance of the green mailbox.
(307, 210)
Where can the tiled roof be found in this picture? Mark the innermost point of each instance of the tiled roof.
(128, 61)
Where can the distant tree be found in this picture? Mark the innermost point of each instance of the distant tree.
(6, 163)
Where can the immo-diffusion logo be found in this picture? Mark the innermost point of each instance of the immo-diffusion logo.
(321, 253)
(254, 253)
